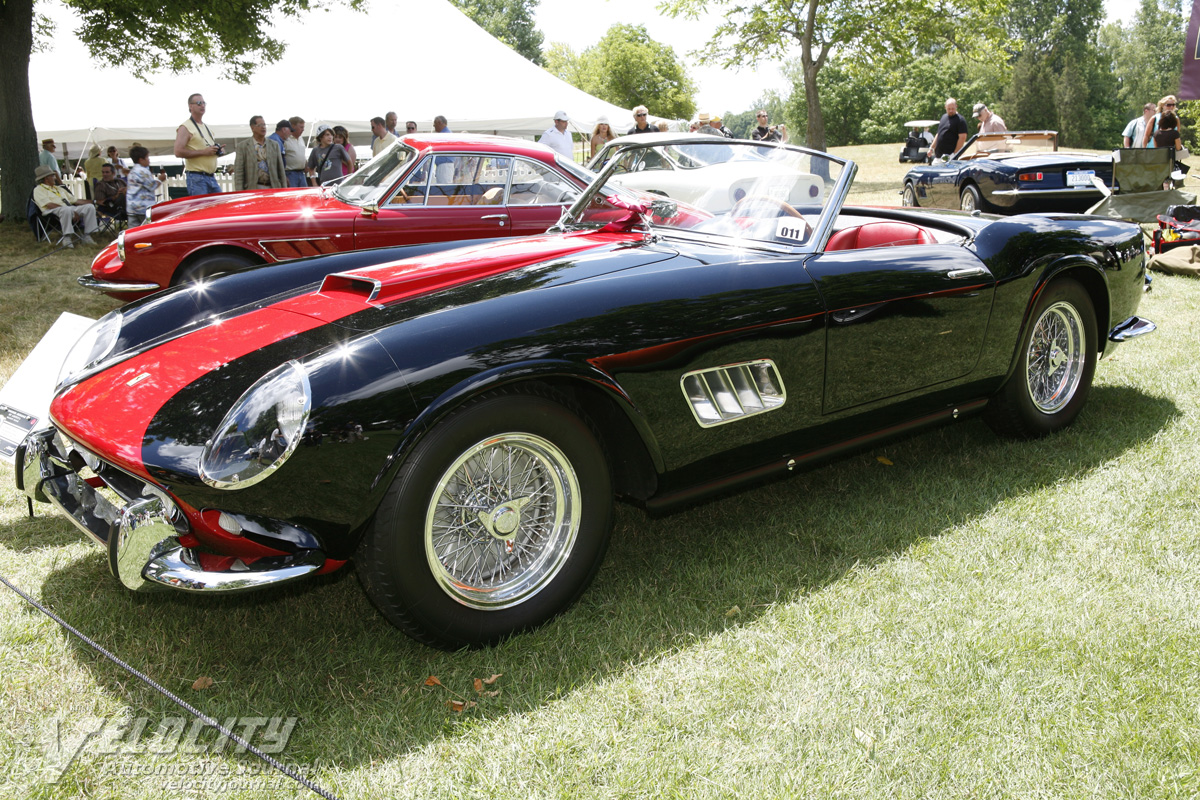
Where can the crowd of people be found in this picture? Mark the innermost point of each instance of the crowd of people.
(125, 191)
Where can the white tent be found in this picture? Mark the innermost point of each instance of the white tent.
(419, 58)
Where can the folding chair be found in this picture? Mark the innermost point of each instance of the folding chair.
(110, 224)
(40, 226)
(1142, 169)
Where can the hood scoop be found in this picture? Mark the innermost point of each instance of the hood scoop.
(400, 280)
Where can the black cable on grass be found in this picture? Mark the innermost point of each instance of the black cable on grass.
(207, 720)
(27, 263)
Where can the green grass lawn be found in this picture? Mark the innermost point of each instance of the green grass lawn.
(974, 618)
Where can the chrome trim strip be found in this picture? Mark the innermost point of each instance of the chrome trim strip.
(1045, 192)
(97, 285)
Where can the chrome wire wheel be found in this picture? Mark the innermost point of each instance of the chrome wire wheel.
(1055, 362)
(908, 198)
(502, 521)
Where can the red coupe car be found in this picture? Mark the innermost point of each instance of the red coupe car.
(425, 188)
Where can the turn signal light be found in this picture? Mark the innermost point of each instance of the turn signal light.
(1029, 176)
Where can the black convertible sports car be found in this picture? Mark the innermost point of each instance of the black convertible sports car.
(459, 421)
(1010, 173)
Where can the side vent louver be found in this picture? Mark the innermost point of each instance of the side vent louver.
(734, 391)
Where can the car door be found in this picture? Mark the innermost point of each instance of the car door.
(900, 319)
(446, 198)
(941, 190)
(536, 197)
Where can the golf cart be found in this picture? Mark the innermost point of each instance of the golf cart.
(916, 146)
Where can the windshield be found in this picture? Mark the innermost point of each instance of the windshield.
(723, 187)
(988, 144)
(372, 182)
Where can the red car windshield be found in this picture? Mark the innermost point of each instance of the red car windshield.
(371, 183)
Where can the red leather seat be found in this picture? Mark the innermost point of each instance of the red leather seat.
(879, 234)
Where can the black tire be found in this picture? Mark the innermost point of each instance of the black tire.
(454, 496)
(1055, 365)
(971, 200)
(908, 198)
(209, 265)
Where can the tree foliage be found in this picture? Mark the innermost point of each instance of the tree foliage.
(510, 21)
(872, 35)
(1147, 55)
(628, 68)
(174, 35)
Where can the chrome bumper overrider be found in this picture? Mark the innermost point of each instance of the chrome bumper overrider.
(141, 536)
(97, 285)
(1130, 329)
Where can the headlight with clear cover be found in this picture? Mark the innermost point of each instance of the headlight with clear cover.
(261, 430)
(91, 348)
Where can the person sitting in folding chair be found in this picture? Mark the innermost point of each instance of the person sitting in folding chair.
(110, 196)
(57, 201)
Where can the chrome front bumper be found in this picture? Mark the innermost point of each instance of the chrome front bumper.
(97, 285)
(141, 535)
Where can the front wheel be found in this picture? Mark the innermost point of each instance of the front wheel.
(207, 266)
(1055, 365)
(497, 522)
(908, 198)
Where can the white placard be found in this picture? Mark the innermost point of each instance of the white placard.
(25, 399)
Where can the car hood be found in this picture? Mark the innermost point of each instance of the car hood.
(268, 202)
(234, 347)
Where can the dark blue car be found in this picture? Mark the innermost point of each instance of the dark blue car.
(1010, 173)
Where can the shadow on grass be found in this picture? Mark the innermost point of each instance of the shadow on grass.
(319, 650)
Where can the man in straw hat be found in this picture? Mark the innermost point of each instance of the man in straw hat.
(57, 201)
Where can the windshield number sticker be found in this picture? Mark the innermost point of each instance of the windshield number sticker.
(1080, 177)
(791, 228)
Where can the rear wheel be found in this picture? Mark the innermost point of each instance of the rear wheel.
(496, 523)
(970, 199)
(1055, 366)
(207, 266)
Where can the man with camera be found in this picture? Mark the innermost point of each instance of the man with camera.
(199, 149)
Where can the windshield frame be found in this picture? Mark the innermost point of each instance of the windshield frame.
(382, 190)
(612, 152)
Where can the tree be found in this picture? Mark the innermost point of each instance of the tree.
(1147, 56)
(875, 34)
(510, 21)
(1061, 78)
(175, 35)
(628, 68)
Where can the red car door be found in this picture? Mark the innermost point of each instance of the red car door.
(447, 198)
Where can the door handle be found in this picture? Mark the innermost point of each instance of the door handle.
(500, 217)
(968, 272)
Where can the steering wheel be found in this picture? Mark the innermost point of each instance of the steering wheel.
(786, 208)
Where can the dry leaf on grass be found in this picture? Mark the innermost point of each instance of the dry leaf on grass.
(203, 682)
(432, 680)
(493, 679)
(458, 706)
(478, 686)
(733, 612)
(884, 461)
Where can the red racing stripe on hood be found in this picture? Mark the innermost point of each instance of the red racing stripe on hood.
(400, 280)
(109, 413)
